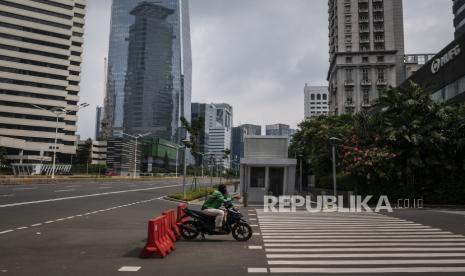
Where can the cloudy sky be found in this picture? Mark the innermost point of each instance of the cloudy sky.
(256, 55)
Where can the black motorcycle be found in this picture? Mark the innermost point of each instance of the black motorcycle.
(200, 223)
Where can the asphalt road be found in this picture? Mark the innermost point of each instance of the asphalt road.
(99, 229)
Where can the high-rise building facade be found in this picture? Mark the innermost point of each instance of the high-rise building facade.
(149, 68)
(98, 122)
(316, 101)
(414, 62)
(40, 64)
(366, 49)
(238, 138)
(277, 130)
(459, 17)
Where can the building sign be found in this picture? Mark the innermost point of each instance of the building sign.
(440, 62)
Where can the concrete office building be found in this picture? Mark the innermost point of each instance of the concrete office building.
(277, 130)
(40, 64)
(459, 17)
(414, 62)
(99, 153)
(316, 101)
(238, 138)
(122, 155)
(366, 49)
(149, 68)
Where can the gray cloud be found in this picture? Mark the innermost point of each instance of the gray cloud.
(257, 54)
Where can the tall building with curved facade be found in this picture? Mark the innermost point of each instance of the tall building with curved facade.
(149, 68)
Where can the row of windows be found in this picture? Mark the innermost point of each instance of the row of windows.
(33, 62)
(29, 117)
(35, 20)
(366, 59)
(381, 74)
(33, 9)
(31, 95)
(33, 84)
(35, 52)
(34, 41)
(38, 140)
(34, 31)
(32, 73)
(319, 97)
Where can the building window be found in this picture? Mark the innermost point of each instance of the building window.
(349, 96)
(325, 97)
(380, 58)
(348, 59)
(349, 74)
(366, 95)
(318, 97)
(365, 74)
(365, 59)
(381, 75)
(257, 177)
(312, 97)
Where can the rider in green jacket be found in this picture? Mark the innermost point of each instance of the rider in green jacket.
(213, 204)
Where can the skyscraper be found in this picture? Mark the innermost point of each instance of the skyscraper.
(237, 139)
(459, 17)
(277, 130)
(149, 68)
(40, 63)
(366, 49)
(98, 122)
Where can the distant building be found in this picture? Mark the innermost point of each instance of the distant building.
(99, 153)
(414, 62)
(459, 17)
(366, 49)
(316, 101)
(219, 132)
(40, 60)
(160, 153)
(277, 130)
(238, 136)
(121, 155)
(98, 122)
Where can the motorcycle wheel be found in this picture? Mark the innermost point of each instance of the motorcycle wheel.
(188, 230)
(241, 231)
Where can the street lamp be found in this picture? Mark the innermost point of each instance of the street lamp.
(333, 143)
(57, 111)
(136, 138)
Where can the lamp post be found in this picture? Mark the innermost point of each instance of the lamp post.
(333, 144)
(136, 138)
(57, 111)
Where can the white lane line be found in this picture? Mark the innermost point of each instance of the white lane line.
(379, 249)
(255, 247)
(361, 231)
(252, 219)
(129, 268)
(62, 191)
(49, 221)
(369, 255)
(257, 270)
(6, 231)
(365, 236)
(344, 227)
(366, 262)
(365, 249)
(71, 217)
(24, 189)
(254, 225)
(364, 240)
(375, 244)
(60, 219)
(89, 195)
(8, 195)
(255, 234)
(105, 187)
(371, 270)
(37, 224)
(73, 186)
(22, 227)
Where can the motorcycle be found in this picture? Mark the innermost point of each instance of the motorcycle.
(202, 224)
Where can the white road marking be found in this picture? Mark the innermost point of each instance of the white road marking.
(366, 255)
(252, 219)
(375, 244)
(129, 268)
(6, 231)
(254, 225)
(49, 221)
(37, 224)
(361, 231)
(257, 270)
(363, 241)
(365, 235)
(24, 189)
(73, 186)
(8, 195)
(255, 234)
(22, 227)
(71, 217)
(255, 247)
(105, 187)
(60, 219)
(84, 196)
(62, 191)
(367, 262)
(369, 249)
(367, 270)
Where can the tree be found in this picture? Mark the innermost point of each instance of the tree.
(194, 128)
(3, 153)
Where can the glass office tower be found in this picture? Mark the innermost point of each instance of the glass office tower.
(149, 68)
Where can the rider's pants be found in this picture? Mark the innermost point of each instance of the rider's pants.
(219, 216)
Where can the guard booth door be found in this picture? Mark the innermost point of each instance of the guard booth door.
(276, 181)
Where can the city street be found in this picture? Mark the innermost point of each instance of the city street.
(99, 229)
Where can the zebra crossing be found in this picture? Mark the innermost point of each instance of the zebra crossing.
(357, 243)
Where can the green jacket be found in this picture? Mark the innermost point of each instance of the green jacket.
(215, 200)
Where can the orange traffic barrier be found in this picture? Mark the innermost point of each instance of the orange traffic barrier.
(173, 229)
(180, 216)
(158, 242)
